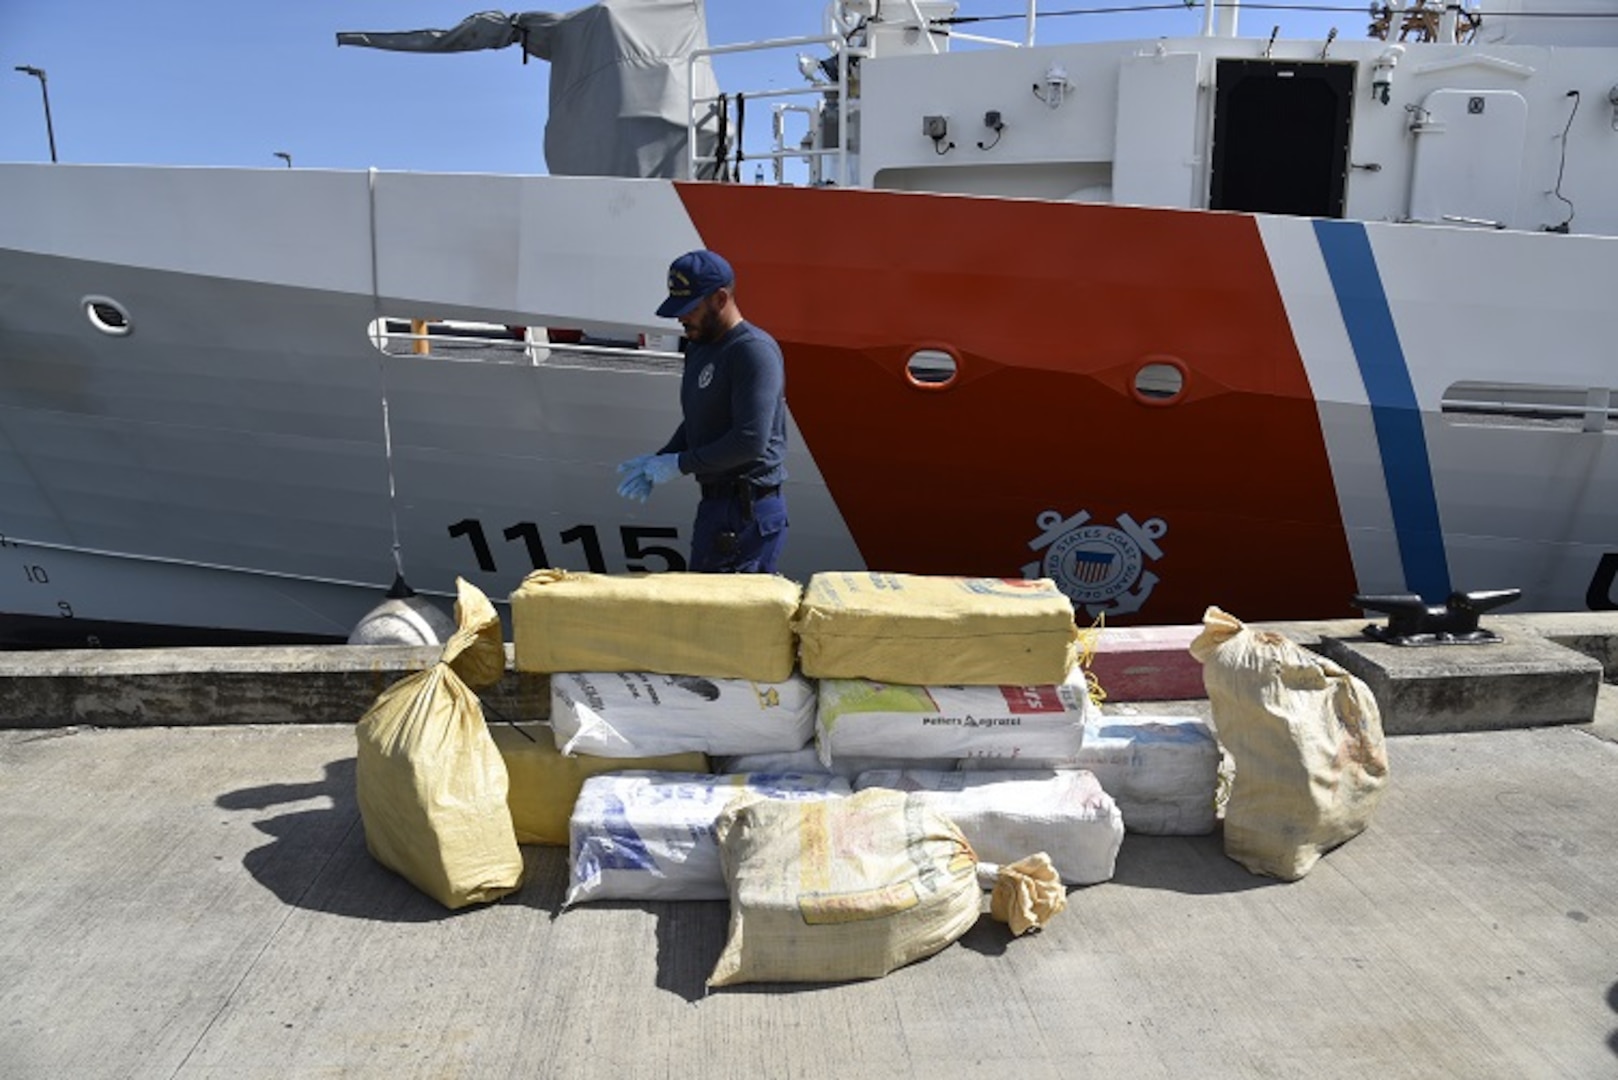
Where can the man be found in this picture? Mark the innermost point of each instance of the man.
(734, 434)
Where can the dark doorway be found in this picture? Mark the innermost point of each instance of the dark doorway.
(1280, 138)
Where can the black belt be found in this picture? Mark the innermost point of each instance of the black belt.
(739, 489)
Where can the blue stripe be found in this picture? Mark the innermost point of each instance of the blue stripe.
(1395, 413)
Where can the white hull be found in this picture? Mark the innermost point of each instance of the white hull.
(224, 463)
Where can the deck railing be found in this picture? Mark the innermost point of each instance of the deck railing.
(704, 111)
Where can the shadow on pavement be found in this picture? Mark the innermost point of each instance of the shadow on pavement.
(690, 933)
(1612, 1002)
(1195, 865)
(545, 879)
(989, 937)
(690, 936)
(317, 859)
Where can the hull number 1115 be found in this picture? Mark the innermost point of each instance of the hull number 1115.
(635, 540)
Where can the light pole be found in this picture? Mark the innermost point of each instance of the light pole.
(39, 73)
(284, 156)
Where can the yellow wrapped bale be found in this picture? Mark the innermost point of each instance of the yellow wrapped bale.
(936, 631)
(545, 783)
(727, 626)
(430, 783)
(839, 889)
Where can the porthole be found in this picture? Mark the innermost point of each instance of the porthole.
(107, 315)
(1159, 381)
(933, 369)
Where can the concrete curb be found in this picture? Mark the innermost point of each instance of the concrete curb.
(293, 684)
(336, 684)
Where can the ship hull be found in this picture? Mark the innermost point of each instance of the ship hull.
(240, 457)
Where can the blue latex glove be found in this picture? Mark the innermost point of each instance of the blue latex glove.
(634, 465)
(637, 486)
(662, 468)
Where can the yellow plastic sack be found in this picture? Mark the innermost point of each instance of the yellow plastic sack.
(545, 783)
(727, 626)
(936, 631)
(1306, 738)
(840, 889)
(430, 783)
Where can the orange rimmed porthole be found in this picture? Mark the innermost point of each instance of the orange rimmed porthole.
(1159, 380)
(932, 368)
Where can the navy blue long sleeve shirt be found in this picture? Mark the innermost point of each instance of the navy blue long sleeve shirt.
(733, 396)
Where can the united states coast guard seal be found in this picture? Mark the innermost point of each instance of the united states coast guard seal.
(1101, 568)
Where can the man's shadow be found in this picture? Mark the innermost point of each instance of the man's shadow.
(316, 858)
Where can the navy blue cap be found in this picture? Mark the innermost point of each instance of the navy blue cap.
(691, 277)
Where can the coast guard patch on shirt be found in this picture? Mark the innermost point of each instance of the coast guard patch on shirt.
(705, 376)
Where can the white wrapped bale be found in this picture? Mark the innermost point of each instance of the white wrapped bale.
(1162, 771)
(650, 835)
(1005, 815)
(860, 718)
(641, 714)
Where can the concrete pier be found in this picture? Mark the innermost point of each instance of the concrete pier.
(197, 901)
(185, 892)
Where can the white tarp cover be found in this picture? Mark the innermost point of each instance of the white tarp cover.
(619, 70)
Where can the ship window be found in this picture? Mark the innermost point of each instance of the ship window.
(1532, 406)
(931, 368)
(107, 315)
(462, 341)
(1159, 382)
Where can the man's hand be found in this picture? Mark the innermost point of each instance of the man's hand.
(635, 484)
(637, 487)
(662, 468)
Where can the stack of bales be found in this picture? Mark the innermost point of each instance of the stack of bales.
(936, 715)
(664, 664)
(942, 670)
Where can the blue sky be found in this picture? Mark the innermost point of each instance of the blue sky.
(223, 82)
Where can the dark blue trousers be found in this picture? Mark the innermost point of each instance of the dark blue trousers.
(727, 539)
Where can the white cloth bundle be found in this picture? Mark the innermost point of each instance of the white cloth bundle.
(1007, 814)
(641, 714)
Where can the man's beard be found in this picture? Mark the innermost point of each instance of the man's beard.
(706, 328)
